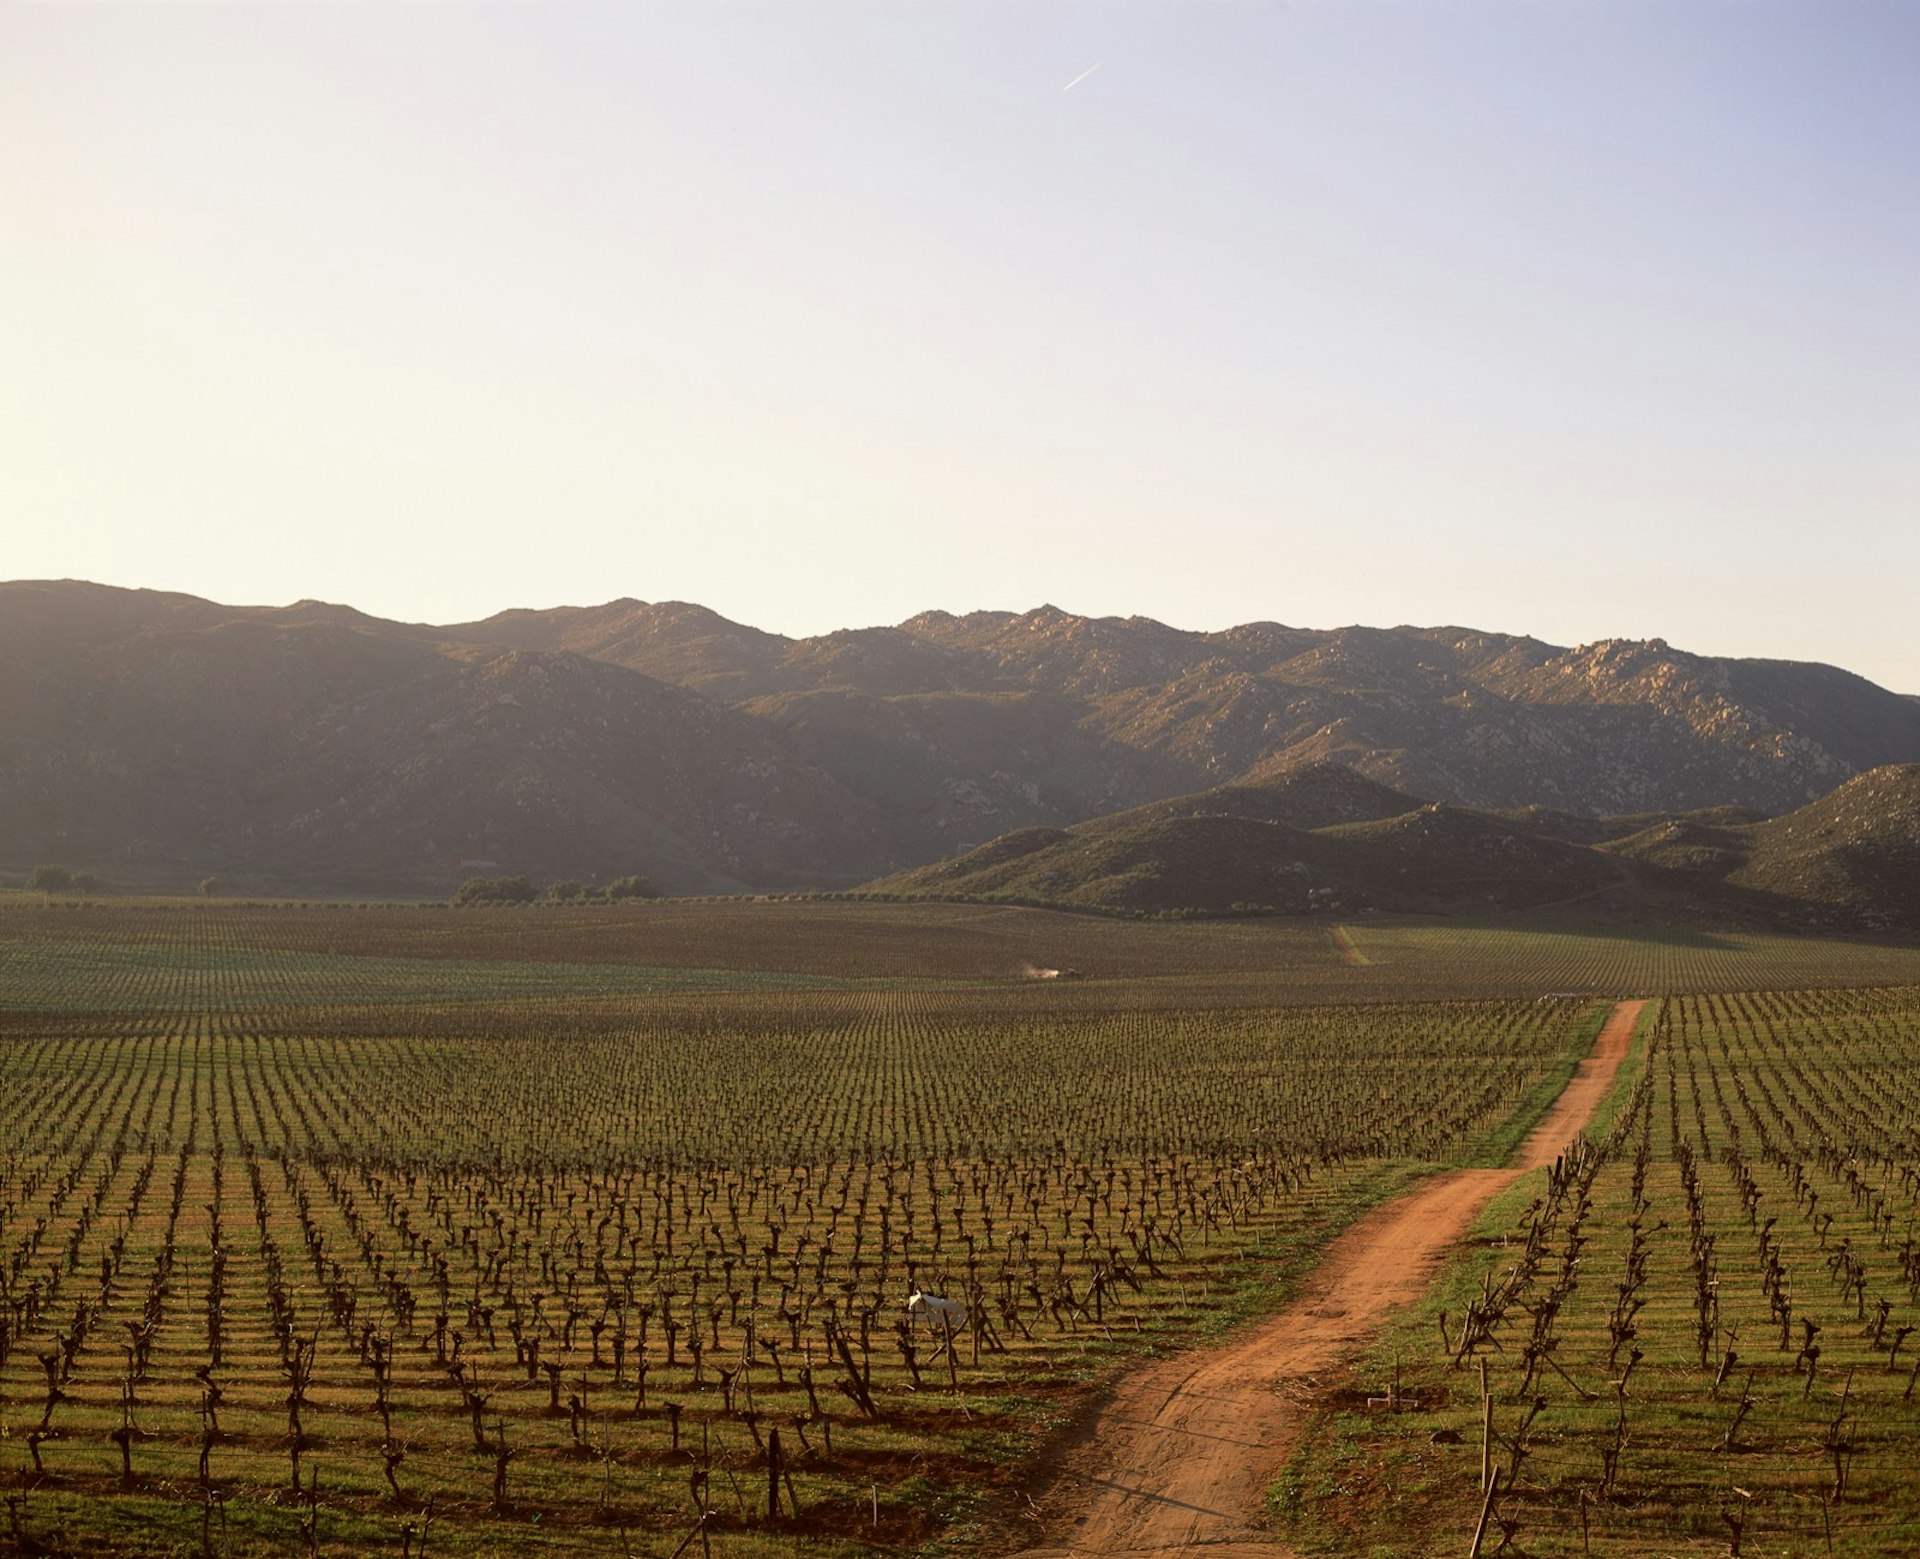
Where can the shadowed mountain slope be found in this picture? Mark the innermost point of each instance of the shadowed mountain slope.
(304, 747)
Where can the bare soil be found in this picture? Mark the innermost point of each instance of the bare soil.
(1180, 1457)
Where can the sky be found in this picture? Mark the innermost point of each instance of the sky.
(1573, 319)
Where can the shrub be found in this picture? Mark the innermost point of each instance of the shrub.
(634, 887)
(496, 890)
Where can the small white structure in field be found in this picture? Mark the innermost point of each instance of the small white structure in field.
(947, 1315)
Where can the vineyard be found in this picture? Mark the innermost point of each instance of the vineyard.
(399, 1230)
(1699, 1334)
(306, 1245)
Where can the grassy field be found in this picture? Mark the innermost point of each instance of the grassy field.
(477, 954)
(528, 1230)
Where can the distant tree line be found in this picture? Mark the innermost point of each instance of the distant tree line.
(57, 879)
(520, 890)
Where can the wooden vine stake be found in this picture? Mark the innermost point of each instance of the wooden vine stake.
(1486, 1510)
(1486, 1431)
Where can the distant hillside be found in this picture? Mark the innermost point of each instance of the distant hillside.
(153, 737)
(1321, 838)
(1849, 860)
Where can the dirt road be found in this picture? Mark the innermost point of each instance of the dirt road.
(1179, 1460)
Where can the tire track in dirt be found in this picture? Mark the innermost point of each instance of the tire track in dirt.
(1178, 1461)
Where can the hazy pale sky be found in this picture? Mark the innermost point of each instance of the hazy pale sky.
(1572, 319)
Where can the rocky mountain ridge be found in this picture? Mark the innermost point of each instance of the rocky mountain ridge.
(146, 734)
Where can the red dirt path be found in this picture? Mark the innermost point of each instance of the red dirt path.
(1180, 1458)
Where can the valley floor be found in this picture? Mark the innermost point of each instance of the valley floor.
(328, 1228)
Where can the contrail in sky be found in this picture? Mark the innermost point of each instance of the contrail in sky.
(1083, 75)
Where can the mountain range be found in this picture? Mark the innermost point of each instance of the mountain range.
(152, 737)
